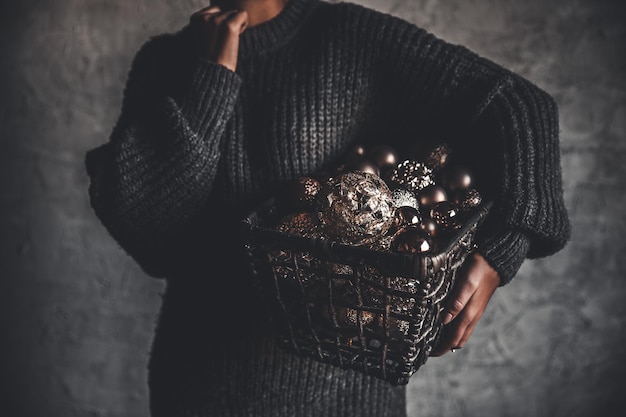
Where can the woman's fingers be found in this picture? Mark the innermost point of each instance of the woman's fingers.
(456, 334)
(202, 13)
(217, 34)
(461, 294)
(476, 283)
(238, 22)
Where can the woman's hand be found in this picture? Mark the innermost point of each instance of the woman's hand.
(217, 33)
(476, 282)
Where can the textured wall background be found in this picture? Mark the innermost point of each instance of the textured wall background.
(76, 315)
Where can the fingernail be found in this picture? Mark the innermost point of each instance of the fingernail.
(447, 318)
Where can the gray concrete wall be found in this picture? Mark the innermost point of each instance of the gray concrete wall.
(77, 315)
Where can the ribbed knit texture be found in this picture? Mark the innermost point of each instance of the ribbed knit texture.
(197, 146)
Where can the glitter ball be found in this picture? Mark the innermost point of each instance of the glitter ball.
(469, 199)
(438, 156)
(411, 175)
(404, 198)
(357, 208)
(300, 224)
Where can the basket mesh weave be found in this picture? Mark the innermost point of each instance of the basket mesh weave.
(353, 307)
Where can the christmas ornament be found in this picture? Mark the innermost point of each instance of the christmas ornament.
(299, 194)
(446, 215)
(412, 175)
(456, 178)
(431, 195)
(383, 156)
(360, 163)
(411, 239)
(429, 226)
(437, 158)
(403, 197)
(468, 200)
(357, 208)
(356, 150)
(431, 152)
(300, 224)
(406, 216)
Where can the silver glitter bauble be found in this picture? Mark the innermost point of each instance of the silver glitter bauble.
(403, 197)
(357, 208)
(412, 175)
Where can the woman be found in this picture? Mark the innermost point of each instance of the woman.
(252, 94)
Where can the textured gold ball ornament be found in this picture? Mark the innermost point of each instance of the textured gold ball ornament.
(469, 199)
(431, 195)
(309, 188)
(299, 194)
(437, 157)
(300, 224)
(446, 215)
(357, 208)
(433, 152)
(412, 175)
(411, 239)
(384, 156)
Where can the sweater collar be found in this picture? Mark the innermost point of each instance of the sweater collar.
(277, 31)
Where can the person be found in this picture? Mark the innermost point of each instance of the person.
(253, 93)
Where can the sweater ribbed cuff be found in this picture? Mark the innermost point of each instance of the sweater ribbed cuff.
(505, 252)
(211, 96)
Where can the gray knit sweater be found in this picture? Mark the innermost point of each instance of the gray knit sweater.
(197, 146)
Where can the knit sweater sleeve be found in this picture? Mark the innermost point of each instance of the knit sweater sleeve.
(529, 215)
(156, 171)
(515, 124)
(504, 121)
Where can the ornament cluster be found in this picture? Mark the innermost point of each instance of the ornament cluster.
(375, 199)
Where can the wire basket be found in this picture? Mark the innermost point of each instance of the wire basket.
(373, 311)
